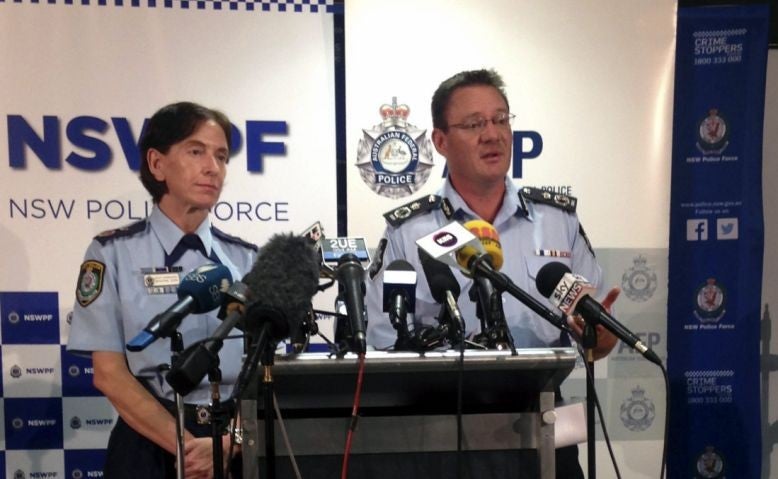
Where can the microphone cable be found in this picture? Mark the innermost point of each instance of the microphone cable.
(460, 390)
(590, 380)
(663, 466)
(285, 437)
(354, 416)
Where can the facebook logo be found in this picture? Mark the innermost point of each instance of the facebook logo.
(726, 228)
(697, 229)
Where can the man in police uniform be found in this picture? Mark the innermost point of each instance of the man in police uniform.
(471, 120)
(130, 274)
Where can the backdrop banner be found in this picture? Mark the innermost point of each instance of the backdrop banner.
(716, 243)
(79, 79)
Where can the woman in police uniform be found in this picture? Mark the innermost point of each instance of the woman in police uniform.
(130, 274)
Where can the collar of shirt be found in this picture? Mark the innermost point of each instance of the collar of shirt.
(512, 204)
(169, 234)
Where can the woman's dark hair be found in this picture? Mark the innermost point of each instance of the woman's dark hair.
(443, 94)
(170, 125)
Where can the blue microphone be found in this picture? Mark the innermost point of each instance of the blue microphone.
(199, 292)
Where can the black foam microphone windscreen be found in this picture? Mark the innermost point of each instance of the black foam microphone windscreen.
(282, 282)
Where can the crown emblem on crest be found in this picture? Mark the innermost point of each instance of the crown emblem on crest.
(394, 114)
(638, 393)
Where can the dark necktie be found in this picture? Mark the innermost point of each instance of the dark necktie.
(187, 242)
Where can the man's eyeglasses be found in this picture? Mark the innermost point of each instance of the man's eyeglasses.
(477, 125)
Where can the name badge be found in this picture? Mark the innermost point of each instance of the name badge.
(162, 280)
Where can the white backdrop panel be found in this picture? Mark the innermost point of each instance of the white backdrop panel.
(594, 78)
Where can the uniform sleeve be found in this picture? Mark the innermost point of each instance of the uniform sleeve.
(97, 322)
(380, 332)
(584, 261)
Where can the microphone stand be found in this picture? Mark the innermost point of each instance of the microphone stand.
(400, 323)
(589, 342)
(494, 328)
(262, 346)
(504, 284)
(449, 328)
(176, 347)
(267, 399)
(218, 421)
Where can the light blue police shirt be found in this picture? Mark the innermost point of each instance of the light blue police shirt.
(126, 304)
(531, 234)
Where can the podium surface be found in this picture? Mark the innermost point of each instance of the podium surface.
(409, 403)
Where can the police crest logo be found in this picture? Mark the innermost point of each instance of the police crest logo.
(639, 282)
(712, 133)
(637, 411)
(75, 422)
(710, 302)
(710, 464)
(394, 157)
(90, 282)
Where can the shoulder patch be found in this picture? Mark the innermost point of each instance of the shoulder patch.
(399, 215)
(90, 282)
(558, 200)
(378, 258)
(232, 239)
(125, 231)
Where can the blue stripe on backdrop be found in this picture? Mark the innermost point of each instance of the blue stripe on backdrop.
(716, 242)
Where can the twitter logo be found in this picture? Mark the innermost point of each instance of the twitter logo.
(726, 229)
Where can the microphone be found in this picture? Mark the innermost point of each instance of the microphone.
(400, 297)
(200, 291)
(350, 275)
(477, 263)
(282, 282)
(488, 300)
(570, 293)
(234, 300)
(445, 290)
(490, 241)
(191, 366)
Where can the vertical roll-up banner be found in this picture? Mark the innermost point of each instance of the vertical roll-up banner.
(716, 242)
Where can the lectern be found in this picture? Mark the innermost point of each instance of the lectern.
(408, 404)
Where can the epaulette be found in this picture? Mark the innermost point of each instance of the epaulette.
(417, 207)
(558, 200)
(232, 239)
(123, 232)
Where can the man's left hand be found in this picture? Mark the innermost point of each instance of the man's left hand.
(606, 341)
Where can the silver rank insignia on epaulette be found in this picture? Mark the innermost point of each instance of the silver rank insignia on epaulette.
(559, 200)
(399, 215)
